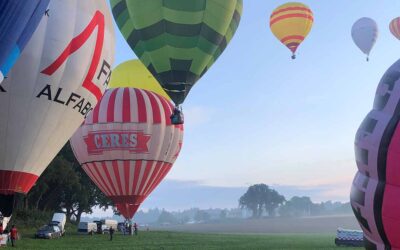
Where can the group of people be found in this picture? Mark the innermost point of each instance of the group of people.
(126, 229)
(12, 235)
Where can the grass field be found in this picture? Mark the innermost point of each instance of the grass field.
(180, 240)
(290, 233)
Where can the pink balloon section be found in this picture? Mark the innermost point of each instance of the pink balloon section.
(375, 193)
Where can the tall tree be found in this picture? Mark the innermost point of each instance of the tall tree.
(65, 186)
(297, 206)
(260, 197)
(302, 205)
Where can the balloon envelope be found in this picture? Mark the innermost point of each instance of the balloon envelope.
(133, 74)
(364, 33)
(395, 27)
(177, 40)
(57, 81)
(376, 187)
(127, 145)
(291, 23)
(18, 21)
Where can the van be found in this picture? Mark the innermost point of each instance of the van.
(87, 227)
(110, 223)
(103, 226)
(59, 220)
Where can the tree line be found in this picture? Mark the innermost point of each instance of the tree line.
(294, 207)
(263, 200)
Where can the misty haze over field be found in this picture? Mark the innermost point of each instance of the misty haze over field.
(174, 195)
(178, 195)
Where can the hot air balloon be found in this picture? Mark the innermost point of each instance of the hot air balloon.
(376, 187)
(61, 74)
(133, 74)
(291, 23)
(127, 145)
(364, 33)
(177, 40)
(18, 19)
(395, 27)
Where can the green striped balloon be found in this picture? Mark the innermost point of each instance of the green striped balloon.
(177, 40)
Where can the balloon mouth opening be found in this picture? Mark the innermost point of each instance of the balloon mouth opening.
(177, 117)
(127, 210)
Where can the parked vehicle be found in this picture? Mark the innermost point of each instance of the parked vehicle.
(59, 220)
(101, 227)
(110, 223)
(48, 232)
(87, 227)
(349, 238)
(105, 229)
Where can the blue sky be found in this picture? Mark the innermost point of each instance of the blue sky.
(258, 116)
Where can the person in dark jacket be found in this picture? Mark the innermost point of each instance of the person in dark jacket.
(111, 233)
(1, 228)
(136, 228)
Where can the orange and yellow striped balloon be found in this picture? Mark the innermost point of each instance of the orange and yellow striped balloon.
(291, 23)
(395, 27)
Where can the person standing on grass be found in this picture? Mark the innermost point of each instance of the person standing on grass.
(123, 229)
(111, 233)
(13, 235)
(136, 229)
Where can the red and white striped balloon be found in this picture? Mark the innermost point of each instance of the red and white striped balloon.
(395, 27)
(127, 145)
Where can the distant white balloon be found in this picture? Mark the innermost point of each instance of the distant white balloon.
(365, 33)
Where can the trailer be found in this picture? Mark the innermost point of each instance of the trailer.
(103, 226)
(110, 224)
(59, 219)
(87, 228)
(350, 238)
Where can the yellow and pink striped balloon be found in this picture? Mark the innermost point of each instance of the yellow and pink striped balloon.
(291, 23)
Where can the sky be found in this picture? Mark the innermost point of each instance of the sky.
(259, 117)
